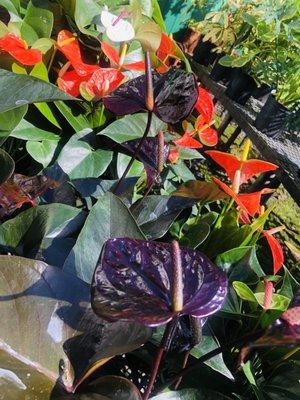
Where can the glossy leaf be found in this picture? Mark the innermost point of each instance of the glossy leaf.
(23, 89)
(88, 163)
(102, 223)
(7, 166)
(201, 191)
(175, 94)
(9, 120)
(51, 310)
(108, 387)
(132, 127)
(155, 214)
(132, 282)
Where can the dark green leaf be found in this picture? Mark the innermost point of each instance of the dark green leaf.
(54, 330)
(39, 18)
(22, 89)
(109, 218)
(132, 127)
(87, 163)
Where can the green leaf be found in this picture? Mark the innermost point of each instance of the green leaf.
(244, 292)
(108, 218)
(249, 19)
(195, 235)
(9, 120)
(40, 19)
(132, 127)
(85, 12)
(49, 314)
(123, 160)
(157, 16)
(26, 131)
(7, 166)
(79, 160)
(279, 302)
(208, 343)
(44, 231)
(77, 121)
(283, 383)
(185, 394)
(43, 151)
(21, 89)
(108, 387)
(227, 60)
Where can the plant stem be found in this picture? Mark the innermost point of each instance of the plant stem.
(137, 150)
(184, 363)
(235, 343)
(164, 345)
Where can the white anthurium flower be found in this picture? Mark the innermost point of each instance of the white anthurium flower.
(117, 29)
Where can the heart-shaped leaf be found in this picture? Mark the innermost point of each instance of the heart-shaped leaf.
(134, 278)
(56, 338)
(103, 222)
(175, 94)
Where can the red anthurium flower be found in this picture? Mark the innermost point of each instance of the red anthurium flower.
(275, 247)
(118, 60)
(248, 168)
(188, 141)
(70, 82)
(204, 105)
(18, 49)
(248, 202)
(166, 50)
(103, 81)
(207, 135)
(69, 46)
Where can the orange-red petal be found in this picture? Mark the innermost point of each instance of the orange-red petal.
(104, 81)
(187, 141)
(69, 46)
(173, 155)
(17, 48)
(110, 52)
(166, 48)
(70, 82)
(276, 250)
(204, 105)
(209, 137)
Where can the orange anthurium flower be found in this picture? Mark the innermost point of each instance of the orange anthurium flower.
(276, 249)
(248, 202)
(18, 49)
(207, 135)
(167, 49)
(204, 105)
(103, 81)
(69, 46)
(188, 141)
(248, 168)
(118, 60)
(70, 82)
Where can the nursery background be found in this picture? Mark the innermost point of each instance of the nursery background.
(149, 200)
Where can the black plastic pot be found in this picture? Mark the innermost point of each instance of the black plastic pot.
(203, 54)
(273, 117)
(219, 72)
(241, 86)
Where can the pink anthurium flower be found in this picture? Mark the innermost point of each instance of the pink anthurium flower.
(18, 49)
(268, 294)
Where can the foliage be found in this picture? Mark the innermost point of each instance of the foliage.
(116, 262)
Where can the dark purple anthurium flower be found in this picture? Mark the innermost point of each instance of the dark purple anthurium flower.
(135, 281)
(151, 155)
(175, 95)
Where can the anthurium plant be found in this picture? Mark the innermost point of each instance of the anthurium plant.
(123, 275)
